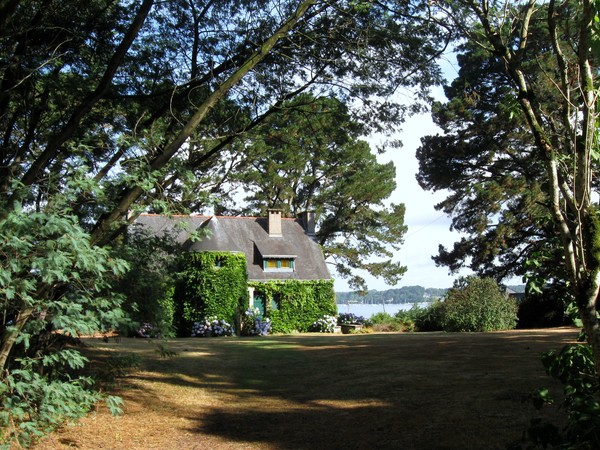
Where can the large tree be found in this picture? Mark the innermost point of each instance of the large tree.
(485, 159)
(109, 106)
(309, 156)
(548, 65)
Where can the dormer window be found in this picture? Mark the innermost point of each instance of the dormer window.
(277, 255)
(278, 264)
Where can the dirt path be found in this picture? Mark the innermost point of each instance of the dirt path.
(376, 391)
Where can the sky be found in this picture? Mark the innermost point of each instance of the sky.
(427, 228)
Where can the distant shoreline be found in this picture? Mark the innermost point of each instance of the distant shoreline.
(402, 295)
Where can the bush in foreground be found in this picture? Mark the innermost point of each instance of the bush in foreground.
(325, 324)
(212, 326)
(385, 322)
(477, 304)
(345, 318)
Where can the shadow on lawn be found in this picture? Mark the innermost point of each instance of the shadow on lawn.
(411, 391)
(332, 428)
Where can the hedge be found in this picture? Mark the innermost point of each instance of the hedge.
(210, 284)
(294, 305)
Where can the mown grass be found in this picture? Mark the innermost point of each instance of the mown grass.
(401, 390)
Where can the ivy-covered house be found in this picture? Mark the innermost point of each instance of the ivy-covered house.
(232, 263)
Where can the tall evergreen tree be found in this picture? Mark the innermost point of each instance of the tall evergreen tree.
(485, 159)
(549, 60)
(309, 156)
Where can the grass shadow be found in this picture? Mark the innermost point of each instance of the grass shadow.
(416, 391)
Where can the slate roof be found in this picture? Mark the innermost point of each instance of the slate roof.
(248, 235)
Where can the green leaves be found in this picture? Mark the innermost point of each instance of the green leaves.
(45, 249)
(477, 304)
(596, 29)
(33, 403)
(51, 278)
(574, 367)
(487, 158)
(204, 291)
(309, 156)
(300, 303)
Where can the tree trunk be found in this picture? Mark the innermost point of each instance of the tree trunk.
(102, 231)
(586, 302)
(569, 190)
(10, 335)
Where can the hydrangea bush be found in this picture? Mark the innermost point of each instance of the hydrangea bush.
(344, 318)
(254, 324)
(148, 330)
(212, 326)
(326, 324)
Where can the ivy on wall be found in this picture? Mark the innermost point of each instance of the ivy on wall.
(210, 284)
(294, 305)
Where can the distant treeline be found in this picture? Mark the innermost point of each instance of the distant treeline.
(405, 294)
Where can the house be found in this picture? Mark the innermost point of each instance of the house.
(279, 252)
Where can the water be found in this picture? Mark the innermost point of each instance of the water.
(367, 310)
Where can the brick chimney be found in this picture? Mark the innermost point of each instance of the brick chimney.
(275, 223)
(309, 219)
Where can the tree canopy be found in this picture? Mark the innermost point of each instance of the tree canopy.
(109, 108)
(525, 131)
(309, 156)
(486, 160)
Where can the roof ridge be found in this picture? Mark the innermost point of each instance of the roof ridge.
(211, 216)
(251, 217)
(166, 215)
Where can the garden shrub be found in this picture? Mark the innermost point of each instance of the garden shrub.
(148, 330)
(325, 324)
(385, 322)
(210, 284)
(294, 305)
(381, 317)
(212, 327)
(51, 278)
(477, 304)
(428, 318)
(542, 310)
(254, 324)
(149, 284)
(43, 394)
(415, 318)
(350, 318)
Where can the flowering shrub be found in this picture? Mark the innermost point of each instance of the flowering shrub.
(148, 330)
(326, 324)
(212, 326)
(254, 324)
(352, 318)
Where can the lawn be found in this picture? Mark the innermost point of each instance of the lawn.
(366, 391)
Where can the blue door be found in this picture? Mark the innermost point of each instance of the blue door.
(259, 302)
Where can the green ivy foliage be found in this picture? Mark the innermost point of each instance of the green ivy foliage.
(294, 305)
(210, 284)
